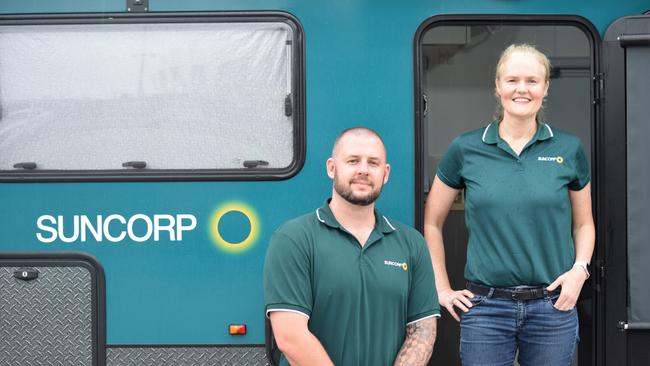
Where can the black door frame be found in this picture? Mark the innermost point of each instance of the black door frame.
(629, 347)
(598, 340)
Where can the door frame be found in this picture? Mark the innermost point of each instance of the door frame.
(620, 347)
(597, 139)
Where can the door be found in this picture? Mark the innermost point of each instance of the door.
(624, 223)
(455, 65)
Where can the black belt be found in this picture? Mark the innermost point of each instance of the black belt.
(532, 293)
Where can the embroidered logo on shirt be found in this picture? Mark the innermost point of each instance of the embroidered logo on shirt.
(557, 159)
(402, 265)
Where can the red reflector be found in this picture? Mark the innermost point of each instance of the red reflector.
(237, 329)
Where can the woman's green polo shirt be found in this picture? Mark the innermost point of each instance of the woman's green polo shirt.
(359, 300)
(517, 208)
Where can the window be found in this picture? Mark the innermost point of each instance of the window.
(193, 99)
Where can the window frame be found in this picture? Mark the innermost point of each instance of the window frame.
(190, 174)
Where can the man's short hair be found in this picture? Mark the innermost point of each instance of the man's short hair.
(357, 130)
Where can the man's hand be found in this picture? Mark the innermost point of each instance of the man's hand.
(449, 298)
(571, 282)
(418, 344)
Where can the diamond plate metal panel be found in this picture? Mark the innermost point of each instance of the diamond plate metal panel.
(48, 320)
(186, 356)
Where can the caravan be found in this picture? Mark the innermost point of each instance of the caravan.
(149, 148)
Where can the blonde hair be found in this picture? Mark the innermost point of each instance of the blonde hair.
(520, 48)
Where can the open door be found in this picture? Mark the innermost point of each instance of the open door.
(625, 223)
(455, 58)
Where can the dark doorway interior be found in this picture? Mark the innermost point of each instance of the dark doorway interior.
(457, 66)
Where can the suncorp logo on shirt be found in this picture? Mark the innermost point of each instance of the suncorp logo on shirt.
(557, 159)
(401, 265)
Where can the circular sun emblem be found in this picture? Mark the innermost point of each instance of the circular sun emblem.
(559, 160)
(246, 224)
(405, 266)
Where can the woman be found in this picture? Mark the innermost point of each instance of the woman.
(531, 231)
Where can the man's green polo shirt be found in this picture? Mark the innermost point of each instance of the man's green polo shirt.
(359, 300)
(517, 208)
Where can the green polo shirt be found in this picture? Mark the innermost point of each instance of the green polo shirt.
(358, 299)
(517, 208)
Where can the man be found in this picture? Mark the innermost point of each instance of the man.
(344, 285)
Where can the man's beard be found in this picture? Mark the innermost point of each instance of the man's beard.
(348, 195)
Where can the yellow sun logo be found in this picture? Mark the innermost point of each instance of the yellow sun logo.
(250, 238)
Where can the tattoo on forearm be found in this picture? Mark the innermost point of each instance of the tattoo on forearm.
(418, 345)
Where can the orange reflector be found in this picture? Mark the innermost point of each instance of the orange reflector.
(237, 329)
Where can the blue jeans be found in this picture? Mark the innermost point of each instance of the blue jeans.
(493, 330)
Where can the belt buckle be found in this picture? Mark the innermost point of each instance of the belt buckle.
(523, 294)
(529, 294)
